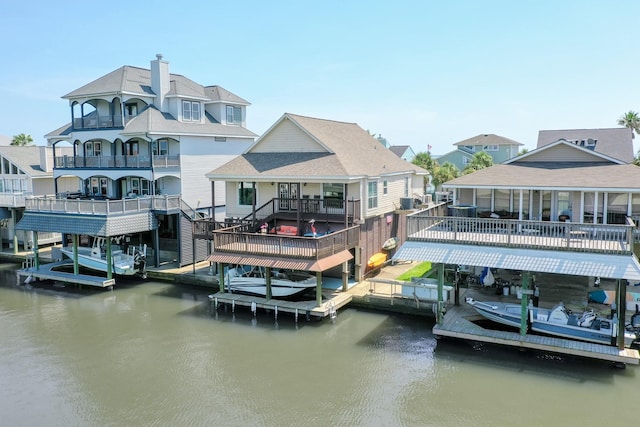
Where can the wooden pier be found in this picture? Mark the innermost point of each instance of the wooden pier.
(332, 301)
(458, 323)
(48, 272)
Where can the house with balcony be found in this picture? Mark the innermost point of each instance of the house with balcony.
(498, 147)
(563, 208)
(25, 172)
(311, 194)
(137, 148)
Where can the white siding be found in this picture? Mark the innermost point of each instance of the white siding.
(287, 137)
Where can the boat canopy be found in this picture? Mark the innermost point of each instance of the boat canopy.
(559, 262)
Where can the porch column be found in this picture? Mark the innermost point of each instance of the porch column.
(605, 206)
(520, 205)
(595, 207)
(253, 202)
(581, 206)
(346, 207)
(524, 303)
(108, 259)
(629, 204)
(213, 200)
(439, 316)
(318, 288)
(357, 266)
(622, 307)
(268, 284)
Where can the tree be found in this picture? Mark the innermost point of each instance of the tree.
(425, 161)
(636, 161)
(523, 151)
(22, 140)
(479, 161)
(444, 173)
(630, 120)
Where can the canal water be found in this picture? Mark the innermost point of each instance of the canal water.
(157, 354)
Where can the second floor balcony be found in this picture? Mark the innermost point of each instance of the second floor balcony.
(507, 233)
(121, 162)
(87, 206)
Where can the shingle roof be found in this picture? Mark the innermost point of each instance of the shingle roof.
(135, 80)
(26, 158)
(488, 139)
(347, 151)
(154, 121)
(613, 142)
(536, 175)
(399, 150)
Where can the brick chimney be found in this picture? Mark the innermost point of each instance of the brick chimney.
(160, 81)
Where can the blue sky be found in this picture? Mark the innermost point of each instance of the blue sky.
(418, 72)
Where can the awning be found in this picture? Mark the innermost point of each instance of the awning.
(559, 262)
(93, 225)
(314, 265)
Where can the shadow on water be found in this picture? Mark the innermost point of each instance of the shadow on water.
(540, 363)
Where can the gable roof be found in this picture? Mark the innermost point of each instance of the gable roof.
(566, 150)
(613, 142)
(488, 139)
(400, 150)
(342, 150)
(27, 158)
(137, 81)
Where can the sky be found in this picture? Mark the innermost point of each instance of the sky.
(418, 73)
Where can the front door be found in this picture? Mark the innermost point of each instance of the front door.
(288, 194)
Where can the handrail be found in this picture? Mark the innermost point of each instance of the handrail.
(102, 207)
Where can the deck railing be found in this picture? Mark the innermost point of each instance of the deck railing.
(97, 162)
(234, 240)
(581, 237)
(103, 207)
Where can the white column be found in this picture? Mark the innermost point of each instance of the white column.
(605, 208)
(582, 206)
(595, 207)
(520, 206)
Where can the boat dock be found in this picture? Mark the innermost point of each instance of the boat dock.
(47, 272)
(332, 302)
(459, 323)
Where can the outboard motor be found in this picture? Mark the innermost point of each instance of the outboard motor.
(635, 319)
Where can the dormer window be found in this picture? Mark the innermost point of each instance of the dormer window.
(234, 115)
(190, 111)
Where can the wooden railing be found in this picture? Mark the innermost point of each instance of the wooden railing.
(97, 162)
(234, 240)
(568, 236)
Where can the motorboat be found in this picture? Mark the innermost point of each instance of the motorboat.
(562, 322)
(505, 313)
(124, 262)
(253, 281)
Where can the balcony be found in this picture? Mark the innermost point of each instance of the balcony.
(13, 200)
(103, 207)
(548, 235)
(117, 162)
(93, 122)
(234, 240)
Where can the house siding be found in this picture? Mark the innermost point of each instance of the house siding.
(561, 153)
(285, 138)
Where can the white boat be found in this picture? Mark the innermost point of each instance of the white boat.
(252, 281)
(560, 321)
(123, 263)
(499, 312)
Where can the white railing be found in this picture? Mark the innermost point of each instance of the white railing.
(102, 207)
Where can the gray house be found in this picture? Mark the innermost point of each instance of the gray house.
(498, 147)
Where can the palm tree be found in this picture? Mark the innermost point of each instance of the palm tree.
(630, 120)
(22, 140)
(479, 161)
(444, 173)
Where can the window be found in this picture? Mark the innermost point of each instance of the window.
(93, 149)
(245, 193)
(190, 111)
(385, 187)
(490, 148)
(372, 194)
(220, 139)
(234, 115)
(131, 109)
(160, 147)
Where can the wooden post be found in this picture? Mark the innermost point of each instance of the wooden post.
(524, 303)
(76, 268)
(221, 280)
(318, 288)
(439, 316)
(268, 277)
(622, 307)
(109, 259)
(35, 250)
(345, 276)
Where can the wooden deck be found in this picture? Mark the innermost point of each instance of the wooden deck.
(47, 272)
(332, 301)
(458, 323)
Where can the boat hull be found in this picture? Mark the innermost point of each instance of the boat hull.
(377, 260)
(503, 313)
(240, 281)
(122, 265)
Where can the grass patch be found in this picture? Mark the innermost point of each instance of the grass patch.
(417, 271)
